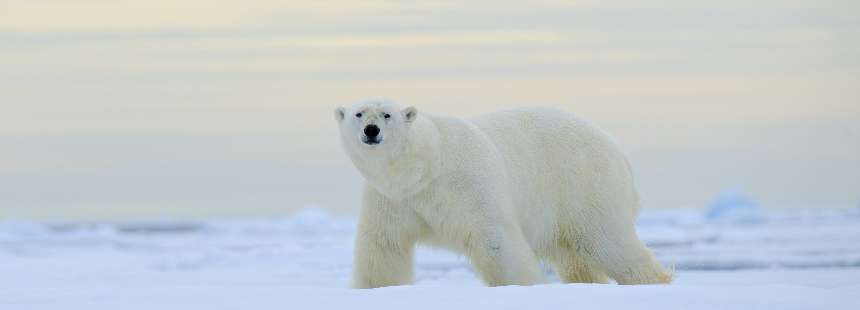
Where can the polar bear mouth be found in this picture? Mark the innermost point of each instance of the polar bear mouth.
(371, 141)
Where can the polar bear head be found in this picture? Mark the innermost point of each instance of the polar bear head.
(375, 126)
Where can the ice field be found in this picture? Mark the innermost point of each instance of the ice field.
(731, 256)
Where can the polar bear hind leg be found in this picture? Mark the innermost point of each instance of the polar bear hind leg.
(614, 248)
(632, 263)
(572, 267)
(600, 224)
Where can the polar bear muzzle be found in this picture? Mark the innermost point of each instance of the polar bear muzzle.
(371, 134)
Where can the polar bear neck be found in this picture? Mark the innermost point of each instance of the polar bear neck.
(409, 169)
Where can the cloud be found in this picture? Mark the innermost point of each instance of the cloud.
(161, 94)
(137, 15)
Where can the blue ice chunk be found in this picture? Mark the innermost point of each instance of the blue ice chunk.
(733, 205)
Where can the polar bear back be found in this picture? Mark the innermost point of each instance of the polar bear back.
(549, 154)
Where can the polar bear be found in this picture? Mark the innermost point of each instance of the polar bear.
(507, 190)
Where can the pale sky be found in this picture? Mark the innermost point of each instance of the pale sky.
(151, 108)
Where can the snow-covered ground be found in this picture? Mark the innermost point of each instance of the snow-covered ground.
(724, 259)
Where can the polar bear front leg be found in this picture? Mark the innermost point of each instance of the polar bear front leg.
(501, 256)
(384, 244)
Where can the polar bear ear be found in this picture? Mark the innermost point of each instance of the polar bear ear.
(409, 114)
(339, 113)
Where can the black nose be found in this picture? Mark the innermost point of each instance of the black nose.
(371, 131)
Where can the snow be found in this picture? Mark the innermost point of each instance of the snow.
(797, 259)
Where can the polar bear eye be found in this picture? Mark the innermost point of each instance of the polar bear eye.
(358, 115)
(386, 115)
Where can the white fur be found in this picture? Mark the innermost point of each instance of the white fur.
(506, 189)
